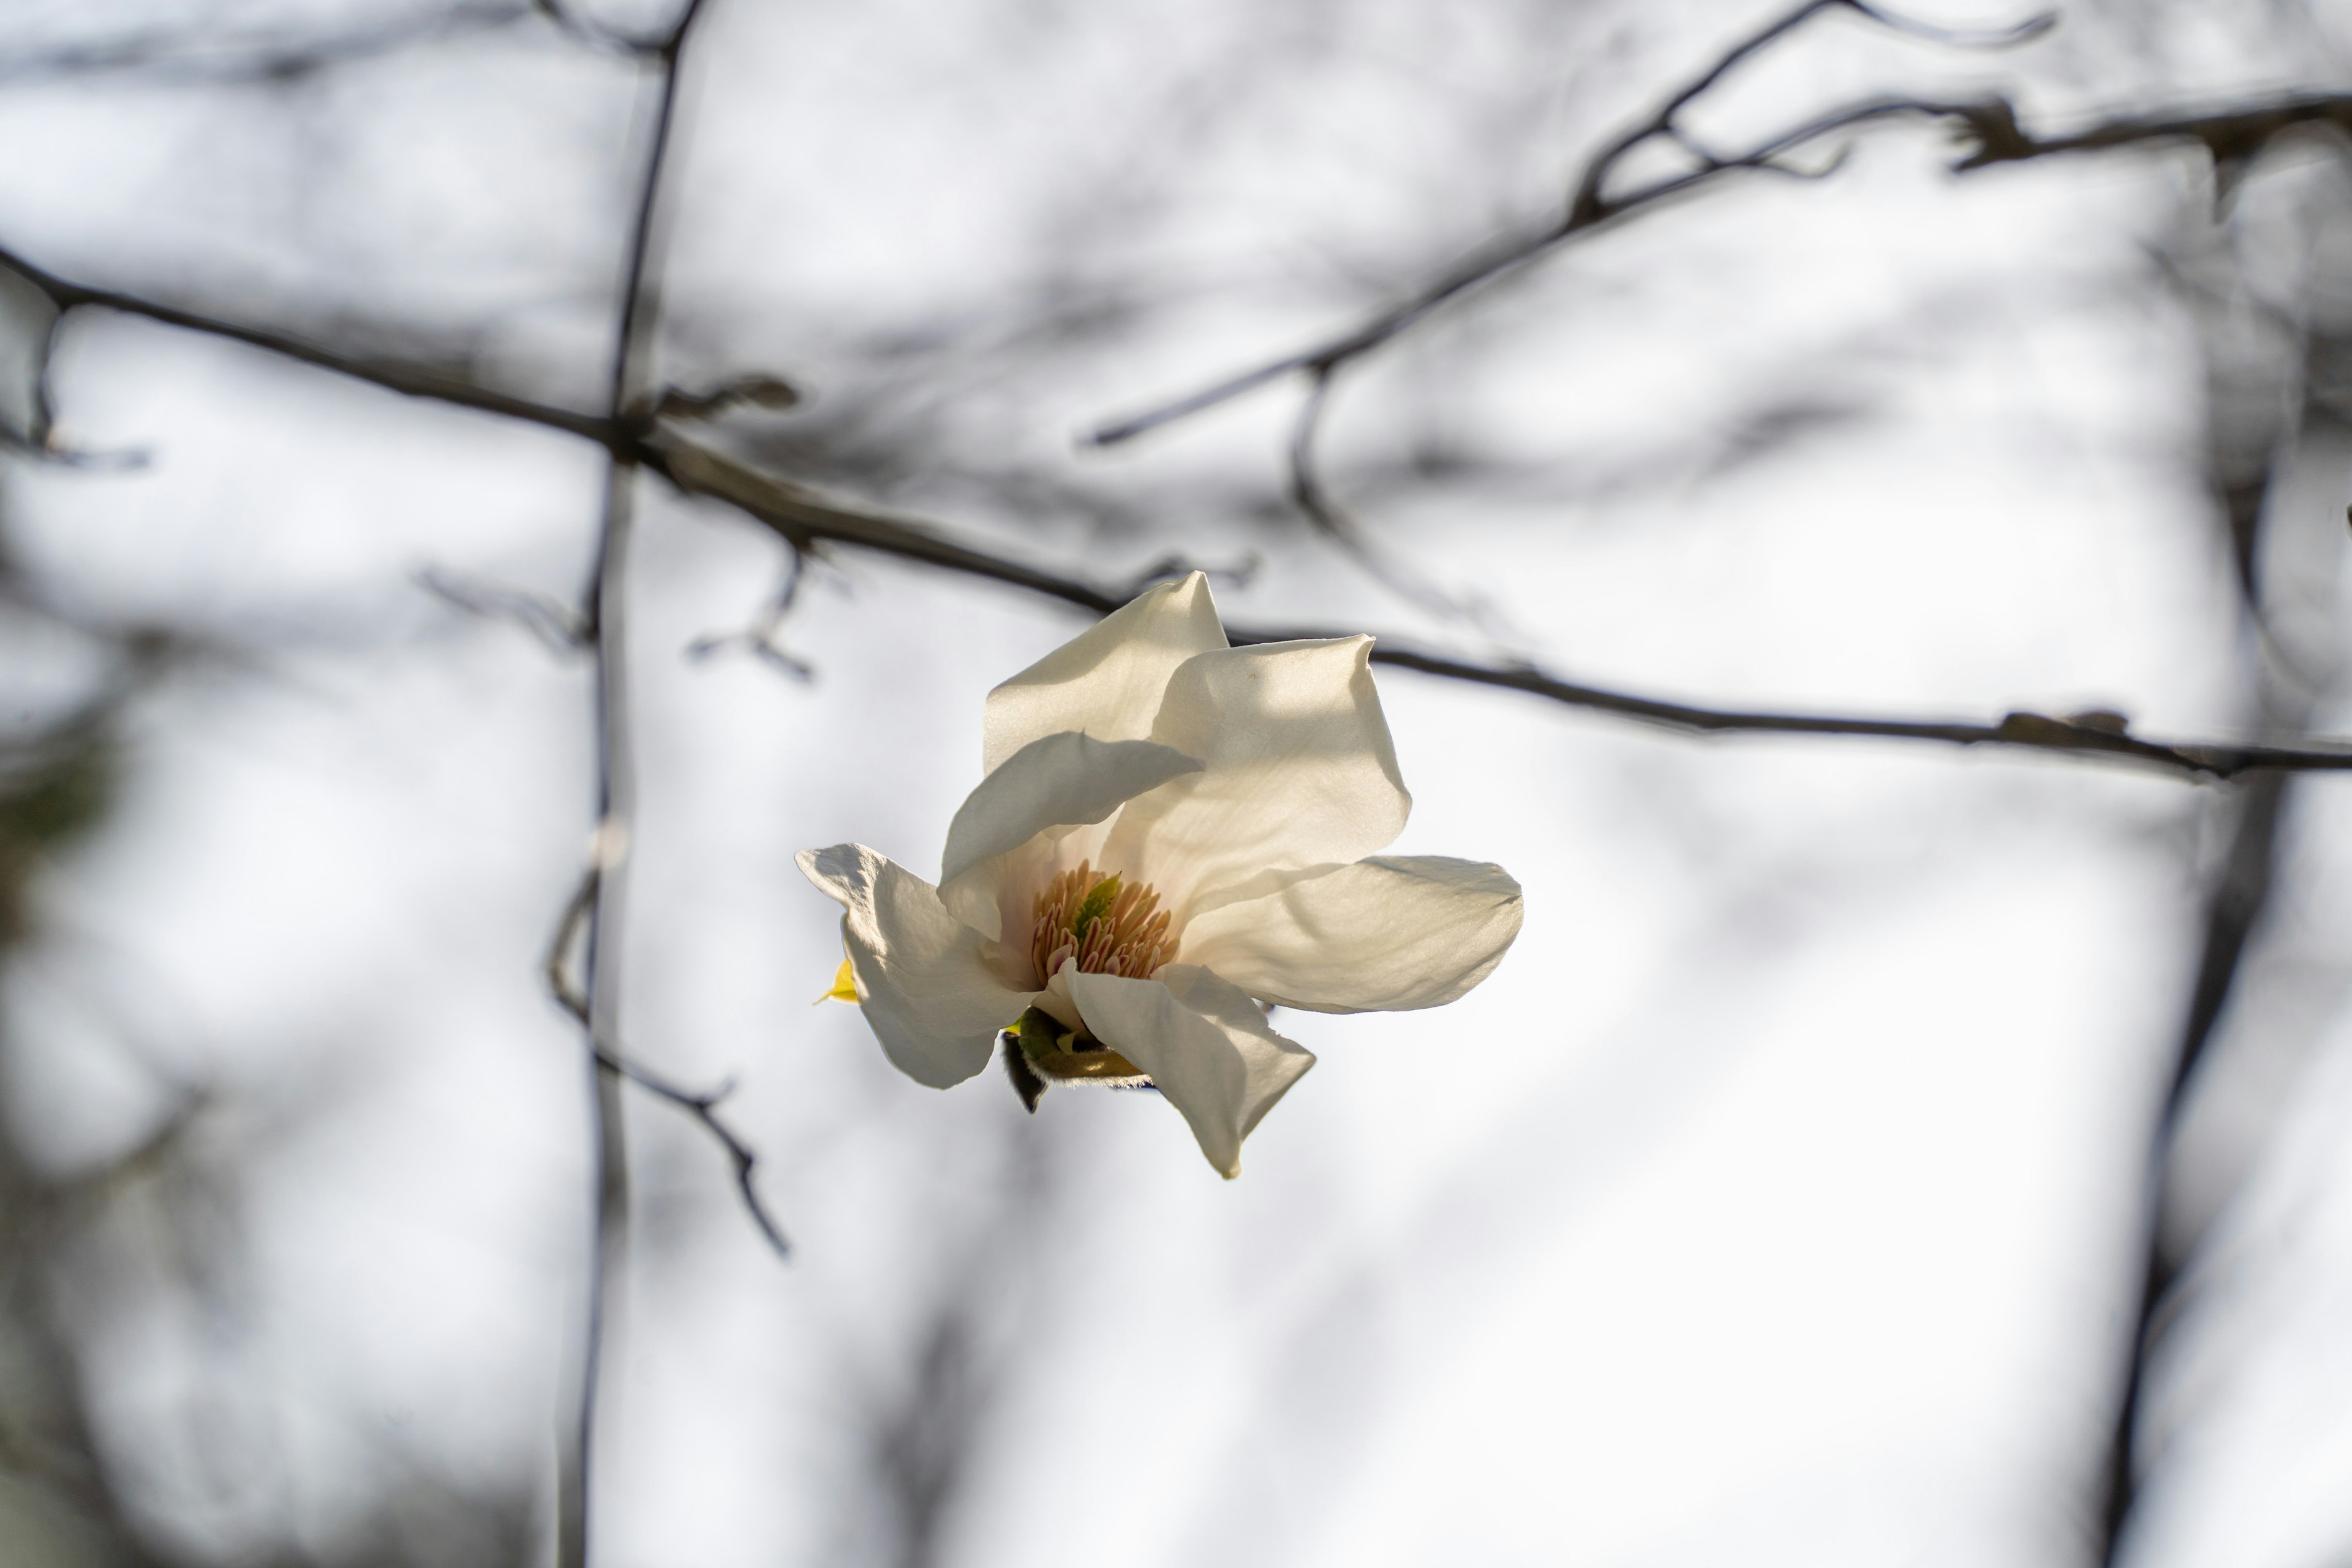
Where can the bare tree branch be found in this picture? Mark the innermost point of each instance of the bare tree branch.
(604, 618)
(702, 1105)
(1314, 499)
(412, 380)
(807, 519)
(1990, 127)
(1590, 208)
(762, 638)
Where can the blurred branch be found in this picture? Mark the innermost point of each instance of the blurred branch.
(807, 519)
(2255, 438)
(413, 380)
(1591, 207)
(1314, 499)
(587, 32)
(258, 56)
(1990, 128)
(2235, 908)
(602, 619)
(762, 638)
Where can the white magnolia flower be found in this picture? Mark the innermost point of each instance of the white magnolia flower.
(1171, 833)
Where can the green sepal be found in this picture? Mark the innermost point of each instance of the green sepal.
(1041, 1035)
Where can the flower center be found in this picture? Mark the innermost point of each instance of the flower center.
(1110, 926)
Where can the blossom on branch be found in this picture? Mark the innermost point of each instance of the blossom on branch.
(1172, 834)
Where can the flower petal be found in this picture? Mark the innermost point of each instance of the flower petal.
(1205, 1044)
(1059, 781)
(931, 1002)
(1300, 770)
(1107, 680)
(1381, 935)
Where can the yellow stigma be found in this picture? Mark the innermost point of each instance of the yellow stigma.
(1110, 926)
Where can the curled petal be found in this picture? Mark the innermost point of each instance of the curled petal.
(1383, 935)
(1204, 1043)
(932, 1002)
(1107, 680)
(1299, 770)
(1057, 781)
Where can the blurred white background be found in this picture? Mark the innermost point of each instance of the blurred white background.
(1779, 1200)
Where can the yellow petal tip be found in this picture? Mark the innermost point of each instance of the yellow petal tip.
(845, 987)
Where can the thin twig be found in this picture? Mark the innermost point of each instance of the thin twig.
(603, 615)
(1313, 498)
(1588, 208)
(557, 967)
(762, 638)
(804, 517)
(1990, 126)
(702, 1105)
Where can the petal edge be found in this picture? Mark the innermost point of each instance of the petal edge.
(1107, 680)
(1390, 933)
(929, 999)
(1204, 1044)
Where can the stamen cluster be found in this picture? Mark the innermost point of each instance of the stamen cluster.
(1109, 926)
